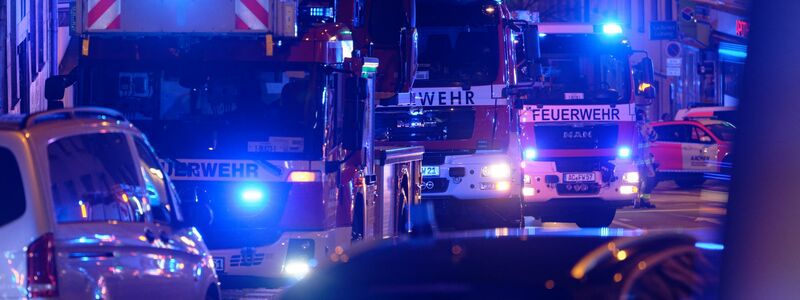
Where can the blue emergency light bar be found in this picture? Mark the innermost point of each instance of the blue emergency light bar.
(612, 29)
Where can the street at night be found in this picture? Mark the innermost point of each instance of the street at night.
(399, 149)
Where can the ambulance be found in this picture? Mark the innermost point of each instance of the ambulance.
(690, 152)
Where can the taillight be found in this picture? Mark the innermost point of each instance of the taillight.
(304, 176)
(42, 276)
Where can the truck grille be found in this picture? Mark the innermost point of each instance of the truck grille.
(591, 188)
(247, 261)
(576, 137)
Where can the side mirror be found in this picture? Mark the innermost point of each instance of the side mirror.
(352, 108)
(408, 53)
(54, 87)
(645, 79)
(198, 214)
(533, 53)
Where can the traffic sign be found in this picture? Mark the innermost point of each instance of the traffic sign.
(674, 66)
(663, 30)
(674, 49)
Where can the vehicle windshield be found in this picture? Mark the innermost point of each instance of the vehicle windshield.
(457, 48)
(218, 110)
(582, 69)
(724, 131)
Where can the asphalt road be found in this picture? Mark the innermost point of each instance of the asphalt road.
(690, 209)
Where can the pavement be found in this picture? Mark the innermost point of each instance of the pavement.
(690, 209)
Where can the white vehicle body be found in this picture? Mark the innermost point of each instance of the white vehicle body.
(93, 247)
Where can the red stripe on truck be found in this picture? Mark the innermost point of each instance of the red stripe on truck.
(98, 10)
(259, 11)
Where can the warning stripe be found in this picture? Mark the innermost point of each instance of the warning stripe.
(252, 14)
(104, 14)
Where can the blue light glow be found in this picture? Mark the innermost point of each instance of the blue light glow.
(252, 195)
(709, 246)
(733, 53)
(612, 29)
(541, 35)
(530, 154)
(624, 152)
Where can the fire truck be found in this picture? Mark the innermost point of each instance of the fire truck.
(457, 109)
(264, 117)
(579, 132)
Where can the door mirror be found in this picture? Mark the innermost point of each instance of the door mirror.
(54, 87)
(353, 110)
(533, 54)
(645, 79)
(198, 214)
(408, 53)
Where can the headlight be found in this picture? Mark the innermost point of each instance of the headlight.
(530, 154)
(496, 171)
(631, 177)
(624, 152)
(628, 189)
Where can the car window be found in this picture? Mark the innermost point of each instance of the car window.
(724, 131)
(158, 194)
(93, 179)
(700, 136)
(670, 133)
(12, 187)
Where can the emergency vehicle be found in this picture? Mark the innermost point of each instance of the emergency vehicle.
(725, 113)
(457, 109)
(264, 118)
(690, 152)
(579, 131)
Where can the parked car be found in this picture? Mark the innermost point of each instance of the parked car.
(89, 214)
(689, 152)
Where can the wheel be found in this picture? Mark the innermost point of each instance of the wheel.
(212, 293)
(690, 182)
(597, 218)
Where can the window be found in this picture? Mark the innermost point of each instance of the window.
(34, 36)
(40, 34)
(672, 133)
(155, 184)
(700, 136)
(93, 179)
(12, 187)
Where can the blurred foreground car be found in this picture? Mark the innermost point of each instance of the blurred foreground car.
(689, 152)
(524, 264)
(88, 213)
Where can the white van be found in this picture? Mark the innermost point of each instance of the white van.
(88, 213)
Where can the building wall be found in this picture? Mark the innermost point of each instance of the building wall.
(28, 57)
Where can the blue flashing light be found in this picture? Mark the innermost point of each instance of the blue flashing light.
(530, 154)
(612, 29)
(541, 35)
(624, 152)
(252, 195)
(710, 246)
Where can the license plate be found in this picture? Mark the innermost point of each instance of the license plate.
(219, 264)
(579, 177)
(430, 170)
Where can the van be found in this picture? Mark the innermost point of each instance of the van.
(89, 213)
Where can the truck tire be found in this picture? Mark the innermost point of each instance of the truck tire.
(690, 182)
(597, 218)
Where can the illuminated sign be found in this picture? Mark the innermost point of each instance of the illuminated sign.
(742, 28)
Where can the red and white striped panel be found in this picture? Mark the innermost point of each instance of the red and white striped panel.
(252, 14)
(103, 14)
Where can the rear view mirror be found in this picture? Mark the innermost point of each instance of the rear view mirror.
(645, 79)
(408, 45)
(54, 87)
(355, 92)
(533, 55)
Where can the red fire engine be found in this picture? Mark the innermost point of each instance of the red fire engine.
(457, 109)
(579, 130)
(264, 117)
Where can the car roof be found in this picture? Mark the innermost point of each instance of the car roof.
(62, 117)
